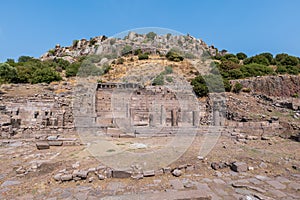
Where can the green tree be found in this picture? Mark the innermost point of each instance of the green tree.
(241, 56)
(151, 35)
(72, 69)
(8, 74)
(45, 75)
(199, 86)
(25, 58)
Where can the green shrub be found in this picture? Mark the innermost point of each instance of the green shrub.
(126, 50)
(151, 35)
(168, 70)
(138, 51)
(8, 74)
(241, 56)
(175, 56)
(143, 56)
(237, 87)
(45, 75)
(72, 69)
(254, 69)
(158, 80)
(25, 59)
(120, 61)
(169, 79)
(199, 86)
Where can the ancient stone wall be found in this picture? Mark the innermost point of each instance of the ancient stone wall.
(35, 115)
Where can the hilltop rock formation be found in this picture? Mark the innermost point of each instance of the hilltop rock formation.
(160, 44)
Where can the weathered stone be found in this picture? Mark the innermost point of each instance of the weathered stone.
(101, 177)
(55, 143)
(239, 167)
(137, 176)
(81, 174)
(167, 169)
(176, 184)
(66, 177)
(177, 172)
(42, 145)
(121, 174)
(57, 177)
(276, 184)
(148, 173)
(9, 183)
(91, 179)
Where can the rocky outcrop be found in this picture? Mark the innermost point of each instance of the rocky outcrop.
(160, 44)
(279, 86)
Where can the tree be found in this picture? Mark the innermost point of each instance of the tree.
(199, 86)
(25, 59)
(8, 73)
(151, 35)
(267, 55)
(72, 69)
(241, 56)
(45, 75)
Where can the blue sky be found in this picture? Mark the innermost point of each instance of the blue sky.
(32, 27)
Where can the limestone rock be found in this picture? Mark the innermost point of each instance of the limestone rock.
(239, 167)
(177, 172)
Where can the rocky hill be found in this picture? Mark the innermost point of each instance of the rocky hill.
(150, 42)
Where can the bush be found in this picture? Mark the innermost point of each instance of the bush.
(159, 80)
(241, 56)
(237, 87)
(143, 56)
(199, 86)
(175, 56)
(168, 70)
(228, 65)
(8, 74)
(169, 79)
(256, 70)
(72, 69)
(138, 51)
(120, 61)
(126, 50)
(25, 59)
(151, 35)
(45, 75)
(258, 59)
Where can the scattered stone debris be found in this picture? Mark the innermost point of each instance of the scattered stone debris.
(239, 167)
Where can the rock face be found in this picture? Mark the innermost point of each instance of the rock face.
(280, 86)
(104, 45)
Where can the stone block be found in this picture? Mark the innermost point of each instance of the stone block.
(121, 174)
(42, 145)
(148, 173)
(239, 167)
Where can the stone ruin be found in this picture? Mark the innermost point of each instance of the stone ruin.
(117, 108)
(33, 116)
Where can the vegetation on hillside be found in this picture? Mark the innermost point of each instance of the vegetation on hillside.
(238, 66)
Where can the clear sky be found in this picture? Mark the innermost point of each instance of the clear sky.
(31, 27)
